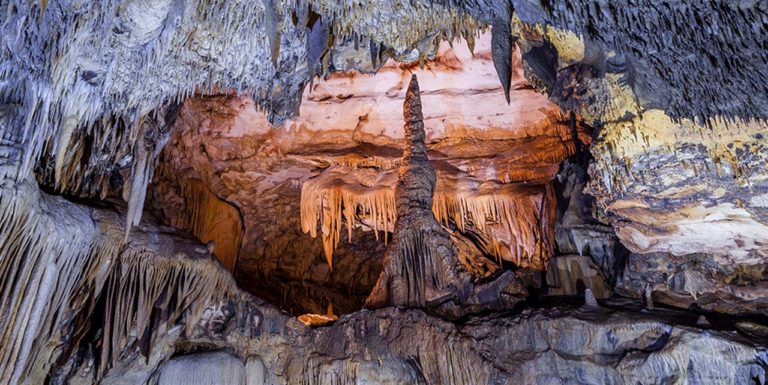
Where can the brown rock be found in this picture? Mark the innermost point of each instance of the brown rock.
(421, 266)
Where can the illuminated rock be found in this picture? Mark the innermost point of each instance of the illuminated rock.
(421, 267)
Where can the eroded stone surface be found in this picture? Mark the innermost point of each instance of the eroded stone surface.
(667, 184)
(89, 93)
(533, 347)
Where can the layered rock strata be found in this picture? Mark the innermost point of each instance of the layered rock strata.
(676, 188)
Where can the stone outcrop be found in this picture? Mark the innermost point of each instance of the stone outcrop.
(677, 184)
(695, 281)
(667, 183)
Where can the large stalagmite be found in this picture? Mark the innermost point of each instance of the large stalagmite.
(421, 266)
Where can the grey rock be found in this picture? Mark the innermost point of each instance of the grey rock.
(216, 368)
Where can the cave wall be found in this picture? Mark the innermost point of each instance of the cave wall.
(166, 306)
(659, 182)
(673, 188)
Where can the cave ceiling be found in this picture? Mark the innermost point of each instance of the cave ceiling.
(648, 74)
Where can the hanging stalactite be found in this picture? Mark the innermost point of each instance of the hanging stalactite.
(519, 219)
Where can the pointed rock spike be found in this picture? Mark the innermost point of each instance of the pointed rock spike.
(271, 24)
(501, 51)
(374, 54)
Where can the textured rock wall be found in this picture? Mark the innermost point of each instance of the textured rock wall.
(87, 93)
(388, 345)
(571, 275)
(675, 176)
(690, 179)
(77, 299)
(212, 220)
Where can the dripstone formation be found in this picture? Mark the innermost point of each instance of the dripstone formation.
(261, 192)
(421, 267)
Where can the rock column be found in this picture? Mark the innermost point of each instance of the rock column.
(421, 268)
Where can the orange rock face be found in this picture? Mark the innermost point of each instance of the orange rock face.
(335, 165)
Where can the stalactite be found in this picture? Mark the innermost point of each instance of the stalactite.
(148, 295)
(68, 127)
(524, 214)
(273, 28)
(150, 139)
(518, 218)
(502, 47)
(40, 269)
(334, 204)
(55, 260)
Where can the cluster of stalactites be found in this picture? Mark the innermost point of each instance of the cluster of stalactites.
(524, 218)
(86, 116)
(70, 95)
(57, 259)
(74, 94)
(40, 269)
(92, 161)
(146, 283)
(83, 119)
(129, 74)
(402, 27)
(334, 206)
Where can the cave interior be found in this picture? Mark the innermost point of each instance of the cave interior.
(383, 192)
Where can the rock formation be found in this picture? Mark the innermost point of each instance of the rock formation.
(211, 191)
(421, 266)
(150, 334)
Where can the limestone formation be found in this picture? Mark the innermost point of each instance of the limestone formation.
(265, 345)
(493, 174)
(421, 267)
(224, 192)
(573, 274)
